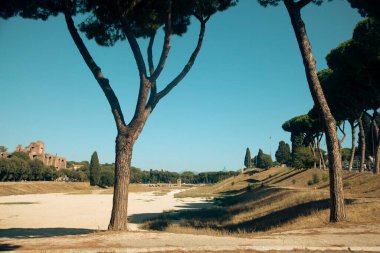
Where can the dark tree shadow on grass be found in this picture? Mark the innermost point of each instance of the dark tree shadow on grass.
(8, 247)
(288, 176)
(42, 232)
(275, 219)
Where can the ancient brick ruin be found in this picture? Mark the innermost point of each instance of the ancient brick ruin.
(36, 151)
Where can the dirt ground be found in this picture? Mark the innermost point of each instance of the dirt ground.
(85, 211)
(59, 222)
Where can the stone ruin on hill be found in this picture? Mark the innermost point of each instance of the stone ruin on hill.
(36, 151)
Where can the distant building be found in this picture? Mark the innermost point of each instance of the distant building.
(5, 155)
(76, 166)
(36, 151)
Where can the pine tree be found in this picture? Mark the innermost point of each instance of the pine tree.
(247, 159)
(94, 169)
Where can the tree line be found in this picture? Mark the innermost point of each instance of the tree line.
(21, 168)
(104, 175)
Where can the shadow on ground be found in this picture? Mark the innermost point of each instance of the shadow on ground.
(220, 217)
(8, 247)
(141, 217)
(41, 232)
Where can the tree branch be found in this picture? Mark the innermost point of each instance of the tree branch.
(96, 71)
(153, 86)
(135, 49)
(302, 3)
(342, 131)
(144, 82)
(150, 53)
(166, 46)
(187, 67)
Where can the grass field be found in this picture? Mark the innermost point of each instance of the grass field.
(273, 200)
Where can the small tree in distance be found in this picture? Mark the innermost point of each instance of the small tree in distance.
(264, 161)
(94, 170)
(247, 159)
(283, 153)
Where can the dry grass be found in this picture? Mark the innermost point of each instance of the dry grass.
(21, 188)
(277, 199)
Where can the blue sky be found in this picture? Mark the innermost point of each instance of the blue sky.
(247, 80)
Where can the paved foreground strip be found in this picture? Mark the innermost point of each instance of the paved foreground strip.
(359, 238)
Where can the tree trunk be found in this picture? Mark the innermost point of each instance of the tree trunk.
(119, 219)
(337, 210)
(362, 144)
(353, 145)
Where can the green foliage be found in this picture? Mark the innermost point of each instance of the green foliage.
(105, 26)
(283, 153)
(346, 154)
(107, 177)
(94, 169)
(314, 179)
(264, 161)
(250, 187)
(351, 84)
(303, 158)
(21, 155)
(294, 181)
(247, 159)
(367, 7)
(3, 149)
(325, 177)
(19, 169)
(267, 3)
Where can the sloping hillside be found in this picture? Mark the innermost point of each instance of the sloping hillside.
(274, 200)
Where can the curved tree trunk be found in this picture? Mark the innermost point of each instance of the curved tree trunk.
(362, 144)
(337, 210)
(353, 145)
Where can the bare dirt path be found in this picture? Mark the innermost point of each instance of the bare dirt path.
(85, 211)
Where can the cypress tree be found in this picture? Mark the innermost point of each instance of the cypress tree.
(94, 169)
(247, 159)
(283, 153)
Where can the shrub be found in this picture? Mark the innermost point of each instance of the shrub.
(250, 187)
(294, 181)
(325, 177)
(303, 158)
(107, 178)
(314, 179)
(346, 184)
